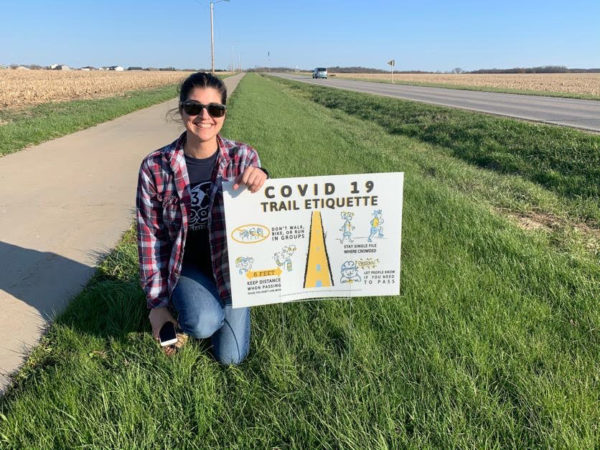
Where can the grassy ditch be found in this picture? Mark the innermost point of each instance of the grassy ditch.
(493, 341)
(24, 127)
(544, 177)
(563, 160)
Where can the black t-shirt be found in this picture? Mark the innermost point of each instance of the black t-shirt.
(197, 246)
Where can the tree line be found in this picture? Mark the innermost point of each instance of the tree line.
(539, 69)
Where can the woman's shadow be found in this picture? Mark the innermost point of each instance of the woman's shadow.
(81, 296)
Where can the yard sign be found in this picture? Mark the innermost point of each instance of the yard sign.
(314, 237)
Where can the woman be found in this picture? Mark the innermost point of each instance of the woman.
(181, 225)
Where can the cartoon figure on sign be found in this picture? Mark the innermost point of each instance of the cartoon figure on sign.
(284, 257)
(243, 264)
(349, 272)
(347, 227)
(376, 228)
(250, 234)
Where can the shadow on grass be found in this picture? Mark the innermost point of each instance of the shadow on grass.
(113, 303)
(81, 300)
(107, 308)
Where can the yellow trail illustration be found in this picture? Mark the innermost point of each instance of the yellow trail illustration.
(318, 272)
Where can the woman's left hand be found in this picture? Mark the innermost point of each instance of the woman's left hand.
(252, 177)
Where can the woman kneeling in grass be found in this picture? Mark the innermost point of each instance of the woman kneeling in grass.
(181, 224)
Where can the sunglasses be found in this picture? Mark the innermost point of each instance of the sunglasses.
(193, 108)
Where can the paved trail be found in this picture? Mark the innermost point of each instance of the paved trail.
(63, 204)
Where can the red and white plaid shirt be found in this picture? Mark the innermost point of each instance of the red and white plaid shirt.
(163, 207)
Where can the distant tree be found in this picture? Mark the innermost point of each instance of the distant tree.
(457, 70)
(355, 69)
(539, 69)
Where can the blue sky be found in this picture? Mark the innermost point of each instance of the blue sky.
(420, 35)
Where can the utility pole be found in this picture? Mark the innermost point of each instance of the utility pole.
(212, 36)
(212, 40)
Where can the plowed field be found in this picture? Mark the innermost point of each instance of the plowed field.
(20, 88)
(571, 83)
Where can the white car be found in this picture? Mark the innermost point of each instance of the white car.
(320, 72)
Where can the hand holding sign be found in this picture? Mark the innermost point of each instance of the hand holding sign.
(253, 178)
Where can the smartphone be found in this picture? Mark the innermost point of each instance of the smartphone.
(167, 334)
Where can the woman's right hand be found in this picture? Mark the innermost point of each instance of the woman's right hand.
(158, 317)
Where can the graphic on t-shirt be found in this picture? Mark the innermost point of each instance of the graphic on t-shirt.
(200, 202)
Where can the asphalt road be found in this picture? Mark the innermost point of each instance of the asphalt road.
(582, 114)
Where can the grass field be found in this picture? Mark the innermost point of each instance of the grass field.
(575, 85)
(46, 104)
(493, 341)
(20, 128)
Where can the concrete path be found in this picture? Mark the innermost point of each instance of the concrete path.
(583, 114)
(63, 204)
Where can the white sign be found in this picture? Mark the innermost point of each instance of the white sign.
(314, 237)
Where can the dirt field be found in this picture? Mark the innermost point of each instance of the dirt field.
(20, 88)
(572, 83)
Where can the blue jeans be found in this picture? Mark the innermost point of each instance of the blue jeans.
(202, 314)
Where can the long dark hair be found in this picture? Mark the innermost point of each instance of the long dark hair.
(202, 80)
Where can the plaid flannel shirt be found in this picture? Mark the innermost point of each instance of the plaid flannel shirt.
(163, 207)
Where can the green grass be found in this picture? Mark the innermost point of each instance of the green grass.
(544, 172)
(30, 126)
(493, 341)
(564, 160)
